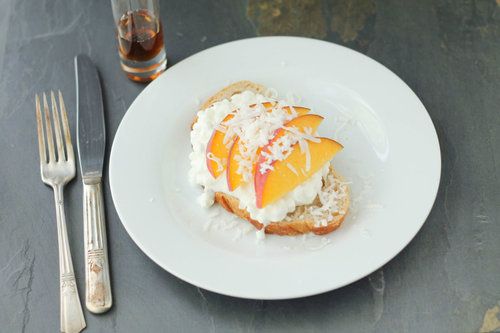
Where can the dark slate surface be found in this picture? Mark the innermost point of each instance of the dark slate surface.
(446, 280)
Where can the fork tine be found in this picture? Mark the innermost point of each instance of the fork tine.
(65, 123)
(41, 135)
(57, 129)
(48, 126)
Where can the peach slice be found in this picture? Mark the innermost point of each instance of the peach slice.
(274, 184)
(217, 152)
(234, 179)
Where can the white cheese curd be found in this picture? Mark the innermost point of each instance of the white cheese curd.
(208, 120)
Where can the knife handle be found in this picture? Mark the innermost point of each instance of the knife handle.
(98, 297)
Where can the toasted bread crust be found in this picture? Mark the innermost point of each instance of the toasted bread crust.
(233, 89)
(231, 204)
(285, 228)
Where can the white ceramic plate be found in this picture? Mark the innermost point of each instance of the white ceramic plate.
(391, 156)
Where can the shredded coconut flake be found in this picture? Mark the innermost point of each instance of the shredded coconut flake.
(304, 148)
(292, 168)
(221, 128)
(307, 134)
(217, 161)
(260, 235)
(281, 148)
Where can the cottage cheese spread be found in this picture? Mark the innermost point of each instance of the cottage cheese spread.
(202, 130)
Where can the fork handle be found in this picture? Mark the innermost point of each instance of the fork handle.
(72, 320)
(98, 297)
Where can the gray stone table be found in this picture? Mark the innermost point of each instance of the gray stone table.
(446, 280)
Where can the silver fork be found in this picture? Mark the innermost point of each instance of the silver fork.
(57, 170)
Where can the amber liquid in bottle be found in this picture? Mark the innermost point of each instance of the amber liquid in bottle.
(140, 39)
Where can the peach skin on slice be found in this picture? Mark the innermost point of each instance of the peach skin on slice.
(217, 151)
(274, 184)
(234, 179)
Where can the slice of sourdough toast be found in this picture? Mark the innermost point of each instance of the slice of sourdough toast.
(303, 219)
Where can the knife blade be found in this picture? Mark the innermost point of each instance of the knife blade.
(90, 114)
(91, 146)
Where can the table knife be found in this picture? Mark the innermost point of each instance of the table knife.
(91, 144)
